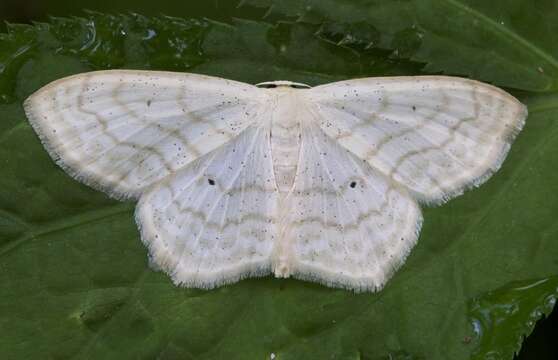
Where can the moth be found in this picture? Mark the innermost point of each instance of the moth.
(236, 180)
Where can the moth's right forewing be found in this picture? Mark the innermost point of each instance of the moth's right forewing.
(434, 135)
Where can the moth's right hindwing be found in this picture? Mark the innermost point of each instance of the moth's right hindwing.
(348, 224)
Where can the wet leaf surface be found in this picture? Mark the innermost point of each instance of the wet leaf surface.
(502, 317)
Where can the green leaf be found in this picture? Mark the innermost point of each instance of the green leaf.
(74, 278)
(509, 43)
(504, 316)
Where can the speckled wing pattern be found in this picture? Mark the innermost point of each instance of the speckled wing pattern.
(197, 153)
(213, 222)
(435, 135)
(375, 149)
(350, 226)
(122, 131)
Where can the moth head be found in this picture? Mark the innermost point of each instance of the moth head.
(282, 83)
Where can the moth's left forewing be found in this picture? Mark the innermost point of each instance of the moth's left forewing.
(435, 135)
(121, 131)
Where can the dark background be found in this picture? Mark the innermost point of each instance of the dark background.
(25, 11)
(541, 345)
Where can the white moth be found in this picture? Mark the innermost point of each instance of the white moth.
(236, 180)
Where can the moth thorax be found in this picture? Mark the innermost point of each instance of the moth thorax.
(285, 141)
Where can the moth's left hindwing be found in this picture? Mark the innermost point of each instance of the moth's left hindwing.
(214, 222)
